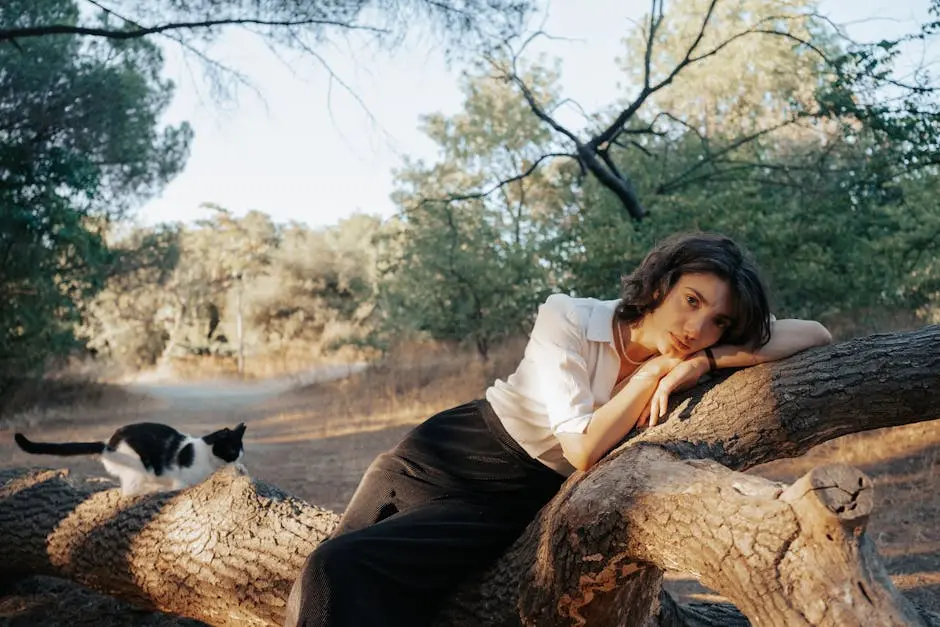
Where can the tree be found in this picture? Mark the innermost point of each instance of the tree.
(834, 83)
(472, 266)
(737, 128)
(671, 497)
(81, 142)
(123, 322)
(177, 289)
(319, 291)
(299, 25)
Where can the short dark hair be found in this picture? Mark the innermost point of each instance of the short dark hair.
(644, 289)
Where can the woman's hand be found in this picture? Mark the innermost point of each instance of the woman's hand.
(681, 376)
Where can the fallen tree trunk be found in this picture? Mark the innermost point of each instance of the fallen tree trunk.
(227, 551)
(222, 552)
(783, 556)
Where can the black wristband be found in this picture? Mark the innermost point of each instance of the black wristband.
(712, 364)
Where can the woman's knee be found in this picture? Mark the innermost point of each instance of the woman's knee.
(333, 562)
(318, 594)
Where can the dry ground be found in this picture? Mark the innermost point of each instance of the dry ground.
(315, 442)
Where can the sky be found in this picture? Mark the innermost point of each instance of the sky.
(301, 147)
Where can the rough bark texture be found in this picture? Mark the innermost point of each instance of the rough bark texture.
(794, 556)
(226, 551)
(785, 408)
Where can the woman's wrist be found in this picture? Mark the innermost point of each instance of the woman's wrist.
(710, 356)
(659, 366)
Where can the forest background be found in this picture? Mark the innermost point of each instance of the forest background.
(756, 118)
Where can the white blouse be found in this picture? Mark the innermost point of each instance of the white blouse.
(569, 368)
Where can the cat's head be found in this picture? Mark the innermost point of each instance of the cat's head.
(227, 443)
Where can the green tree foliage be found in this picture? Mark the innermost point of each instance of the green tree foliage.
(467, 265)
(79, 142)
(318, 293)
(827, 200)
(178, 290)
(305, 27)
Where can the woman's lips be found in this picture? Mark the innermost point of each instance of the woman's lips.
(682, 346)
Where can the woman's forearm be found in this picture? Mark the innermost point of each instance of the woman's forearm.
(787, 337)
(615, 418)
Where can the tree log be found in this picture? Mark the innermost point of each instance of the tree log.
(223, 552)
(227, 551)
(785, 408)
(794, 556)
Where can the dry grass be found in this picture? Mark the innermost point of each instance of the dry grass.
(412, 382)
(35, 401)
(285, 362)
(863, 322)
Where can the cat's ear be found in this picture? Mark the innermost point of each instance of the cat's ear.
(240, 430)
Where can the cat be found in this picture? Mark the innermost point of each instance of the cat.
(151, 457)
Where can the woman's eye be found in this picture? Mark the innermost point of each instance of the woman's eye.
(722, 323)
(691, 300)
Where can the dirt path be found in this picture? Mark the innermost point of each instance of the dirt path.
(287, 443)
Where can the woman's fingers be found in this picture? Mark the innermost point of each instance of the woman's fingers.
(654, 409)
(659, 403)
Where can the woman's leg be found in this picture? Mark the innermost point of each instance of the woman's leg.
(444, 503)
(397, 572)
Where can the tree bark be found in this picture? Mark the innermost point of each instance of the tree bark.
(784, 556)
(227, 551)
(223, 552)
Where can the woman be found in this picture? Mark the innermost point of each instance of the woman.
(461, 487)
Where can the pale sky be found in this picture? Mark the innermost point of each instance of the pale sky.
(309, 153)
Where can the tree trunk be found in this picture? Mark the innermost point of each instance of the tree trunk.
(163, 361)
(784, 556)
(227, 551)
(224, 552)
(240, 327)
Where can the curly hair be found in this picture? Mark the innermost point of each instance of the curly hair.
(644, 289)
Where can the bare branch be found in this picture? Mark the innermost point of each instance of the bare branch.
(711, 158)
(699, 36)
(573, 103)
(478, 195)
(335, 77)
(655, 21)
(637, 145)
(8, 34)
(631, 110)
(586, 154)
(533, 104)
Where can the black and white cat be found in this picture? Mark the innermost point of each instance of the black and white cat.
(151, 457)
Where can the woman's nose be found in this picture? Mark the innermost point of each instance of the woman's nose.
(693, 330)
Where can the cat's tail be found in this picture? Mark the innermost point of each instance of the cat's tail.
(56, 448)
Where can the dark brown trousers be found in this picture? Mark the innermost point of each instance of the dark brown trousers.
(441, 506)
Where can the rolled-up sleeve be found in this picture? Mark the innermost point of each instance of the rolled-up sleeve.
(555, 347)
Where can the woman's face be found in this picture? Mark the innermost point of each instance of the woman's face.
(693, 316)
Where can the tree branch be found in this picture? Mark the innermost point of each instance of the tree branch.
(7, 34)
(503, 183)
